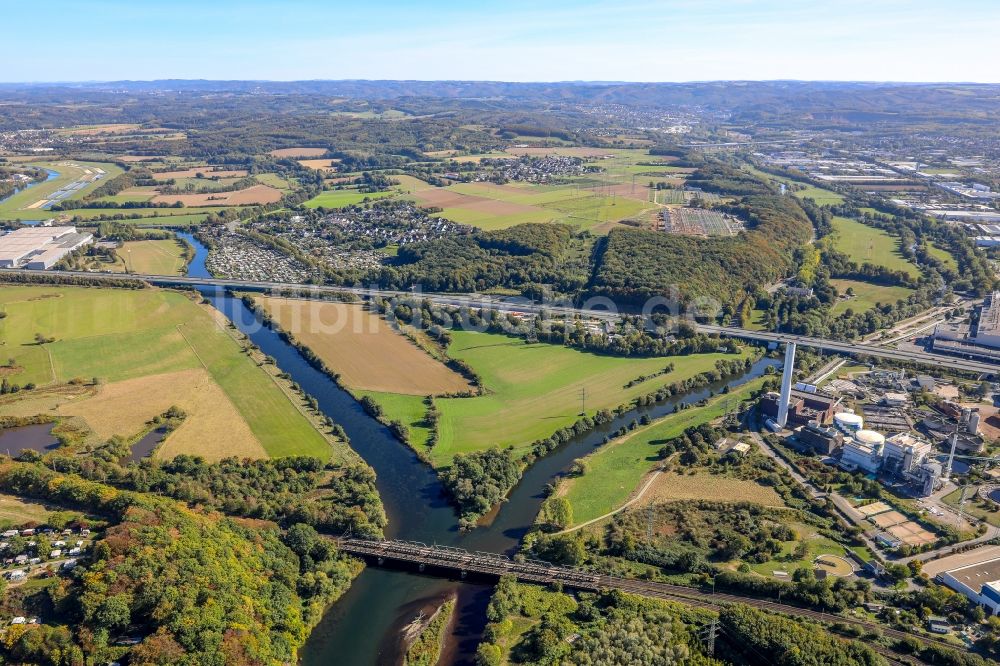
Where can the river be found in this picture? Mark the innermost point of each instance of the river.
(363, 627)
(51, 174)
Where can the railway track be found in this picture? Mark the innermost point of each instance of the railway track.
(491, 564)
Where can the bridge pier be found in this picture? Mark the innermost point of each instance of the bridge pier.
(381, 561)
(462, 573)
(421, 566)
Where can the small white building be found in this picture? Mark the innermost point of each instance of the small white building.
(892, 399)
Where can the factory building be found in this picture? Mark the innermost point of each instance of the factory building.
(981, 340)
(39, 248)
(903, 454)
(819, 439)
(980, 583)
(803, 407)
(863, 451)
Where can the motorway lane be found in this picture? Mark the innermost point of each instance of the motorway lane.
(461, 300)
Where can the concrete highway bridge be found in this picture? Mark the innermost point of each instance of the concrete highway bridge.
(451, 561)
(477, 302)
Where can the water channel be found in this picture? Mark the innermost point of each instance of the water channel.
(51, 174)
(364, 626)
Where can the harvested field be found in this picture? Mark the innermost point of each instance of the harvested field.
(319, 164)
(445, 198)
(258, 194)
(367, 353)
(206, 171)
(90, 130)
(213, 428)
(671, 486)
(639, 191)
(412, 184)
(298, 152)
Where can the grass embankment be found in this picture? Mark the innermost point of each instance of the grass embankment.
(167, 346)
(616, 470)
(18, 511)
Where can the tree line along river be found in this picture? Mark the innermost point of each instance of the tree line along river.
(365, 625)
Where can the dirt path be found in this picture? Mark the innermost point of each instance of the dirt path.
(639, 495)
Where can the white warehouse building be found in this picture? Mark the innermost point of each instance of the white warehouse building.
(39, 248)
(979, 582)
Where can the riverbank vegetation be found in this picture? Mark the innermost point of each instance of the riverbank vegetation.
(530, 624)
(425, 648)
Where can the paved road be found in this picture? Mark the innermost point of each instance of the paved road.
(840, 504)
(476, 301)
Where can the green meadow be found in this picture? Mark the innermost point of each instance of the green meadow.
(615, 470)
(342, 198)
(120, 334)
(866, 295)
(865, 244)
(534, 389)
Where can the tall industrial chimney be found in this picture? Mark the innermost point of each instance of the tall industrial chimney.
(786, 383)
(951, 456)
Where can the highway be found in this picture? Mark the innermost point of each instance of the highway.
(476, 301)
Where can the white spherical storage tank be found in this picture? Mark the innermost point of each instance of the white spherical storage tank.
(870, 437)
(848, 422)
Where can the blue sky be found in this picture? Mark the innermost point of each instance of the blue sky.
(542, 40)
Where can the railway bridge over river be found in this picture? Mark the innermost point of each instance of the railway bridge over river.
(451, 561)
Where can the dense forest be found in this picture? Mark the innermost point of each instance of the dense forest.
(634, 265)
(285, 490)
(184, 586)
(522, 255)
